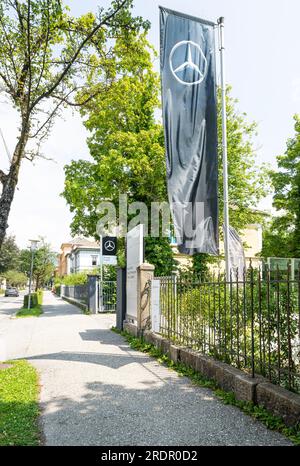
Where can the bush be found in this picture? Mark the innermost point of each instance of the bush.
(56, 289)
(36, 299)
(74, 279)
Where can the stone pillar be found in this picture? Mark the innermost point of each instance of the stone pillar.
(145, 272)
(62, 290)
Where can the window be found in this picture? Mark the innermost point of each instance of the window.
(94, 260)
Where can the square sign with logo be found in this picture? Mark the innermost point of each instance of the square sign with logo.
(109, 246)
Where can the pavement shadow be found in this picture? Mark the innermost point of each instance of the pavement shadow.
(113, 361)
(61, 309)
(155, 414)
(103, 336)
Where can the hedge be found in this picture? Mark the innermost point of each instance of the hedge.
(36, 299)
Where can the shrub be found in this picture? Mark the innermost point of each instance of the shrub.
(74, 279)
(36, 299)
(56, 289)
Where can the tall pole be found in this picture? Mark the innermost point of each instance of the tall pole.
(30, 278)
(101, 275)
(33, 244)
(224, 146)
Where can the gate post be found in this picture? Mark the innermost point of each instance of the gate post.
(145, 272)
(121, 297)
(92, 293)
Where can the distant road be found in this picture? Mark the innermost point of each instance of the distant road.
(10, 305)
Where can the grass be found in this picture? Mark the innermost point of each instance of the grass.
(257, 412)
(33, 312)
(19, 410)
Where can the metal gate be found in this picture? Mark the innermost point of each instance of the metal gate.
(107, 296)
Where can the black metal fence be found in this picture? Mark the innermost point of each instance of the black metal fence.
(107, 296)
(251, 322)
(78, 292)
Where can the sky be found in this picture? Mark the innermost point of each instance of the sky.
(262, 66)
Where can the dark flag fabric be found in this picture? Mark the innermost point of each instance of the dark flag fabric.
(237, 261)
(188, 78)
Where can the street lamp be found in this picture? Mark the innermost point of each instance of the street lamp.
(33, 246)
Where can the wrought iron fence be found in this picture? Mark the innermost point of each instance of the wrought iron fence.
(252, 323)
(78, 292)
(107, 296)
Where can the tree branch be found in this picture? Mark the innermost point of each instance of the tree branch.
(76, 54)
(51, 115)
(45, 48)
(29, 52)
(77, 104)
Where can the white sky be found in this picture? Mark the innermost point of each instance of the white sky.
(263, 66)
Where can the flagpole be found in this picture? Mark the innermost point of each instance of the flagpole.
(224, 146)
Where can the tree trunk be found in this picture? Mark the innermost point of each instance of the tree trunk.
(6, 199)
(9, 183)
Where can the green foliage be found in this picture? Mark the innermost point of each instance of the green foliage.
(125, 143)
(109, 273)
(216, 318)
(79, 278)
(19, 390)
(15, 278)
(200, 264)
(127, 147)
(43, 266)
(282, 239)
(32, 312)
(9, 255)
(258, 412)
(56, 289)
(248, 182)
(36, 299)
(158, 252)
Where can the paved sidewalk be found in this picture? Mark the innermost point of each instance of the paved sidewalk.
(95, 390)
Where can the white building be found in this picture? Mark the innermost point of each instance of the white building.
(79, 255)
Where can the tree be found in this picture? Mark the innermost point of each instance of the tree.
(125, 143)
(247, 181)
(282, 239)
(159, 253)
(44, 54)
(43, 266)
(15, 278)
(127, 147)
(9, 254)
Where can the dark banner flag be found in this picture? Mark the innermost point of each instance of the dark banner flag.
(188, 75)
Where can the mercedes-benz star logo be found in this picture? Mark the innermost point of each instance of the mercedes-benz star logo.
(109, 245)
(194, 53)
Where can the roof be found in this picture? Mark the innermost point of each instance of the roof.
(80, 241)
